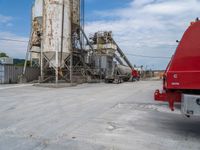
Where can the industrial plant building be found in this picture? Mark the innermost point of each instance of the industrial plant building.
(59, 46)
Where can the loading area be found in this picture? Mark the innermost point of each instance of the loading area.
(92, 117)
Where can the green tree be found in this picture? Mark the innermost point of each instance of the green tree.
(3, 54)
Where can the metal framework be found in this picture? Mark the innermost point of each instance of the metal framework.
(83, 54)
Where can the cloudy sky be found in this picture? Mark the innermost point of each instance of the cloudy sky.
(141, 27)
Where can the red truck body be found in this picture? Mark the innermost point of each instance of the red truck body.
(135, 73)
(183, 72)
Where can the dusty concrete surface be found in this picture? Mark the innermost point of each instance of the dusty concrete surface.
(92, 117)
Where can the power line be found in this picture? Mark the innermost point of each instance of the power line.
(13, 40)
(135, 55)
(145, 56)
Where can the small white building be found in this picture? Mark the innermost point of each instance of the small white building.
(6, 61)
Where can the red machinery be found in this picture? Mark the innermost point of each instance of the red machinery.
(135, 75)
(181, 81)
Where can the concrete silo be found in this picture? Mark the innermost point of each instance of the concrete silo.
(56, 44)
(37, 13)
(60, 47)
(54, 24)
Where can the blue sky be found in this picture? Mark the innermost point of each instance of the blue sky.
(142, 27)
(19, 12)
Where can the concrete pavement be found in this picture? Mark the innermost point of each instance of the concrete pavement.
(92, 117)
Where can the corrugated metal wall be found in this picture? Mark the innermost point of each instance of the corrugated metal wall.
(1, 74)
(10, 74)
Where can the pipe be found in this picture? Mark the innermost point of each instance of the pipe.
(123, 55)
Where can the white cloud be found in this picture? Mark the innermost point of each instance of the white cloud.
(5, 19)
(145, 27)
(148, 27)
(13, 49)
(9, 25)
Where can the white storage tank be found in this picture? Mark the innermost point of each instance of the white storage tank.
(57, 31)
(37, 10)
(59, 20)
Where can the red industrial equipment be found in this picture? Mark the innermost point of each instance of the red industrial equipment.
(135, 75)
(182, 76)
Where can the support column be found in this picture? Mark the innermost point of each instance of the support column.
(71, 68)
(41, 62)
(56, 71)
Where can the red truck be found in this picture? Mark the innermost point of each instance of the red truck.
(181, 81)
(135, 75)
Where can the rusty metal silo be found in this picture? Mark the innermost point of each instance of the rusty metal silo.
(56, 44)
(37, 15)
(55, 34)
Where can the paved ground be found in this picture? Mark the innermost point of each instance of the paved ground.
(92, 117)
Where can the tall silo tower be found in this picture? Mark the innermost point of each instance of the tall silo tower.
(54, 37)
(57, 30)
(36, 31)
